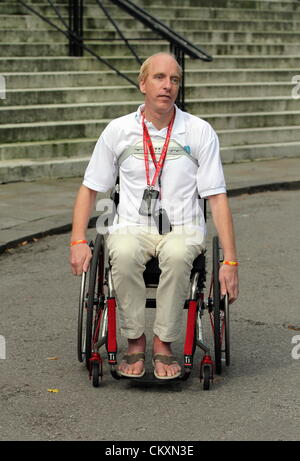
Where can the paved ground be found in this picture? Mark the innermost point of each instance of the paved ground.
(257, 398)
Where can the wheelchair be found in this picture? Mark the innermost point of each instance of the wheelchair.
(97, 316)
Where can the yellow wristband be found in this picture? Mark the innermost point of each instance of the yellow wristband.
(76, 242)
(231, 263)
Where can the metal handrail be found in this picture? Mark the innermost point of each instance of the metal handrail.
(79, 40)
(109, 17)
(162, 29)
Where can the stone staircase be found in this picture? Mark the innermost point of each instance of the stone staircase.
(56, 106)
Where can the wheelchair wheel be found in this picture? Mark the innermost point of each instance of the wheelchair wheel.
(217, 306)
(227, 331)
(81, 327)
(220, 315)
(95, 292)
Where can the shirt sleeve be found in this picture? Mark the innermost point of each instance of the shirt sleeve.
(101, 172)
(210, 175)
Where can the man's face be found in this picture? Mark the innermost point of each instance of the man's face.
(162, 84)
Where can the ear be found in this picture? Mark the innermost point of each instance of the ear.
(142, 87)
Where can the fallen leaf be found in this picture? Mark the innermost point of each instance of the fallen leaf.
(293, 327)
(53, 390)
(52, 358)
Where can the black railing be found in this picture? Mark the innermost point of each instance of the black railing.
(74, 38)
(179, 46)
(76, 27)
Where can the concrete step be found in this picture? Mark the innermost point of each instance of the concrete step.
(161, 12)
(256, 4)
(15, 36)
(38, 150)
(29, 170)
(252, 4)
(86, 95)
(217, 12)
(126, 63)
(235, 105)
(283, 5)
(90, 94)
(109, 110)
(249, 120)
(186, 24)
(170, 12)
(267, 135)
(101, 23)
(255, 152)
(147, 48)
(22, 80)
(45, 131)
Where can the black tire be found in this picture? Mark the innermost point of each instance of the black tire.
(216, 304)
(95, 373)
(95, 284)
(227, 332)
(206, 377)
(81, 326)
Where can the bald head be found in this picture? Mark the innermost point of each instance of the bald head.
(146, 66)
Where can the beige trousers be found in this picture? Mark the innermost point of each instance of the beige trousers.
(129, 249)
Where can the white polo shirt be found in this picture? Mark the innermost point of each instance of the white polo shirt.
(192, 167)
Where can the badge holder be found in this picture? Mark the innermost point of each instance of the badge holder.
(149, 200)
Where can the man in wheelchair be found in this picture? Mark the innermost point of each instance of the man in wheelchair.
(165, 159)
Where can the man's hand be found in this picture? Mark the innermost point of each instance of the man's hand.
(222, 217)
(228, 277)
(80, 256)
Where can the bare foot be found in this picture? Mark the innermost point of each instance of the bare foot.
(163, 348)
(134, 346)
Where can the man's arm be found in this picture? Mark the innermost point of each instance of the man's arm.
(222, 218)
(80, 255)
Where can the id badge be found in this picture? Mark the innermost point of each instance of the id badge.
(150, 197)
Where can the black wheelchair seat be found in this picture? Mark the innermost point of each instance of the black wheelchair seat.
(152, 271)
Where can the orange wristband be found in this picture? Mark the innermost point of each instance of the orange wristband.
(231, 263)
(76, 242)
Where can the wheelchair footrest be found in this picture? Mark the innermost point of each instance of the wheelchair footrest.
(150, 380)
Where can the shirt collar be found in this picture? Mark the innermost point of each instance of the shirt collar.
(179, 125)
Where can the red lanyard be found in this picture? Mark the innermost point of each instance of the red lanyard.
(148, 147)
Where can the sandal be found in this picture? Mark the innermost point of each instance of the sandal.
(166, 360)
(130, 359)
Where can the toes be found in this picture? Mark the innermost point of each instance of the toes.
(138, 368)
(123, 367)
(166, 370)
(135, 369)
(172, 370)
(160, 369)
